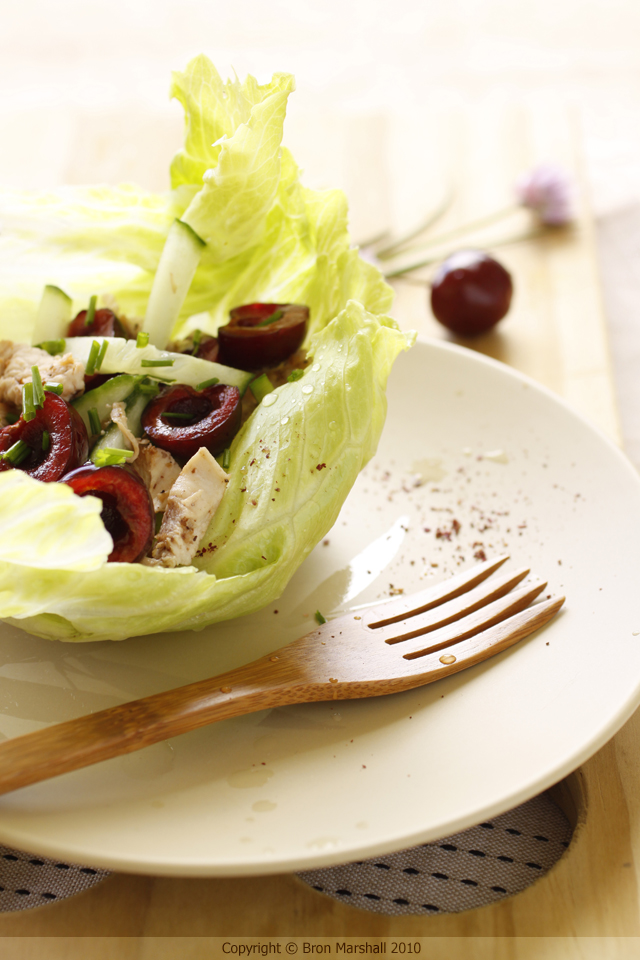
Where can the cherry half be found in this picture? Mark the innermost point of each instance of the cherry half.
(127, 510)
(470, 292)
(250, 343)
(57, 438)
(183, 419)
(104, 324)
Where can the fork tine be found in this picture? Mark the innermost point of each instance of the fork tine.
(477, 621)
(487, 644)
(453, 610)
(432, 596)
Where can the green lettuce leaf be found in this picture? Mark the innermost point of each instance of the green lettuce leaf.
(269, 238)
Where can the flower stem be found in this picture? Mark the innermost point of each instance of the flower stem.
(519, 238)
(390, 251)
(470, 227)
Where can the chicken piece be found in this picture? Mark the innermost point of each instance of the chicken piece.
(119, 417)
(193, 500)
(16, 360)
(158, 470)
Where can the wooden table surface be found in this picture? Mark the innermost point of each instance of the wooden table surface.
(485, 105)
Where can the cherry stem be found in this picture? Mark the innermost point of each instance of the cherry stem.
(518, 238)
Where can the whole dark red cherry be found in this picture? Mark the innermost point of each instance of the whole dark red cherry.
(57, 438)
(183, 419)
(470, 292)
(127, 510)
(249, 343)
(104, 324)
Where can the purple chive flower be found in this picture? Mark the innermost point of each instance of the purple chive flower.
(549, 191)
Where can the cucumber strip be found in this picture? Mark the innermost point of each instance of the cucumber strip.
(102, 398)
(123, 356)
(178, 264)
(53, 317)
(113, 436)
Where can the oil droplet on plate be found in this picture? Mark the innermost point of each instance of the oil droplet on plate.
(496, 456)
(324, 843)
(263, 806)
(253, 777)
(269, 400)
(448, 658)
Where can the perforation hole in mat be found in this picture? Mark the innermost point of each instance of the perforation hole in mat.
(28, 881)
(470, 869)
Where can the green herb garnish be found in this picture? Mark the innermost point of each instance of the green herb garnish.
(103, 349)
(28, 406)
(261, 386)
(226, 458)
(156, 363)
(38, 390)
(295, 375)
(93, 358)
(142, 340)
(272, 318)
(319, 618)
(11, 418)
(17, 453)
(46, 440)
(111, 456)
(164, 379)
(53, 347)
(197, 337)
(94, 421)
(56, 388)
(91, 312)
(179, 416)
(207, 383)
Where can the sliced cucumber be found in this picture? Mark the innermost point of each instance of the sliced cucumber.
(53, 317)
(178, 264)
(103, 397)
(123, 356)
(134, 407)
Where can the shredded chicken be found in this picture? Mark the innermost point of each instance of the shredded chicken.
(16, 360)
(158, 470)
(192, 502)
(119, 417)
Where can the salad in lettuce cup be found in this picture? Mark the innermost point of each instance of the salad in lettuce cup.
(259, 236)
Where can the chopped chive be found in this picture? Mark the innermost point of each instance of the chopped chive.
(261, 386)
(17, 453)
(111, 456)
(149, 388)
(179, 416)
(272, 318)
(38, 390)
(93, 356)
(226, 458)
(28, 406)
(197, 337)
(51, 387)
(142, 340)
(207, 383)
(91, 312)
(46, 440)
(53, 347)
(157, 363)
(103, 349)
(94, 421)
(295, 375)
(11, 418)
(319, 618)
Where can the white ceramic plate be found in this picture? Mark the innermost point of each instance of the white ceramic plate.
(467, 440)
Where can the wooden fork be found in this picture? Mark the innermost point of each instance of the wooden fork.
(393, 646)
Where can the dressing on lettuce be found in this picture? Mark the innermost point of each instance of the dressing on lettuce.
(268, 239)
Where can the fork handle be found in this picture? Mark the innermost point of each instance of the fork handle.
(131, 726)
